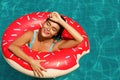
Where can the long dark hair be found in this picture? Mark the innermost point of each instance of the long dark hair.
(58, 36)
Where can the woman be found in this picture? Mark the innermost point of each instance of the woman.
(44, 40)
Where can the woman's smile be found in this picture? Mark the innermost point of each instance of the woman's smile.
(46, 31)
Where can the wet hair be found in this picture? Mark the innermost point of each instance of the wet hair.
(58, 36)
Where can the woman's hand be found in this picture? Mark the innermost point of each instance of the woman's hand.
(55, 16)
(37, 68)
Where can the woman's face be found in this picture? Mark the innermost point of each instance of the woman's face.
(49, 29)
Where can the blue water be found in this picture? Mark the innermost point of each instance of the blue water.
(99, 18)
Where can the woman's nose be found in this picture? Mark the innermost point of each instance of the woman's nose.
(48, 29)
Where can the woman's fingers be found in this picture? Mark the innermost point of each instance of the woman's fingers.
(34, 73)
(42, 68)
(54, 16)
(38, 72)
(37, 68)
(42, 60)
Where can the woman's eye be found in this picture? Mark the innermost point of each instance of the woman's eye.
(54, 29)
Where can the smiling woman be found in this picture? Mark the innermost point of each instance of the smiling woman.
(44, 45)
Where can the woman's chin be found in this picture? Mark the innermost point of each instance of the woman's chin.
(46, 36)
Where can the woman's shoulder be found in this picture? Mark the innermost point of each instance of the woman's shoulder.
(28, 34)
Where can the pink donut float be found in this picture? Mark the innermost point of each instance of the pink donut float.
(57, 63)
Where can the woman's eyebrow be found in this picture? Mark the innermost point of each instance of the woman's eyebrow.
(49, 22)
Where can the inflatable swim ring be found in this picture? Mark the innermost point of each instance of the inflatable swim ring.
(57, 63)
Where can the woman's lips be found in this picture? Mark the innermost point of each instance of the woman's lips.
(46, 31)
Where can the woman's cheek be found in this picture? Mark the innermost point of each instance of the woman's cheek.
(54, 33)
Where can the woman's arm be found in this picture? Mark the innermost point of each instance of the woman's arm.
(75, 34)
(15, 48)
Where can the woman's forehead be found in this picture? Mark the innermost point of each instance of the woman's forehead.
(54, 24)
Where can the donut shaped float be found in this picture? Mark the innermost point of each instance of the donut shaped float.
(57, 63)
